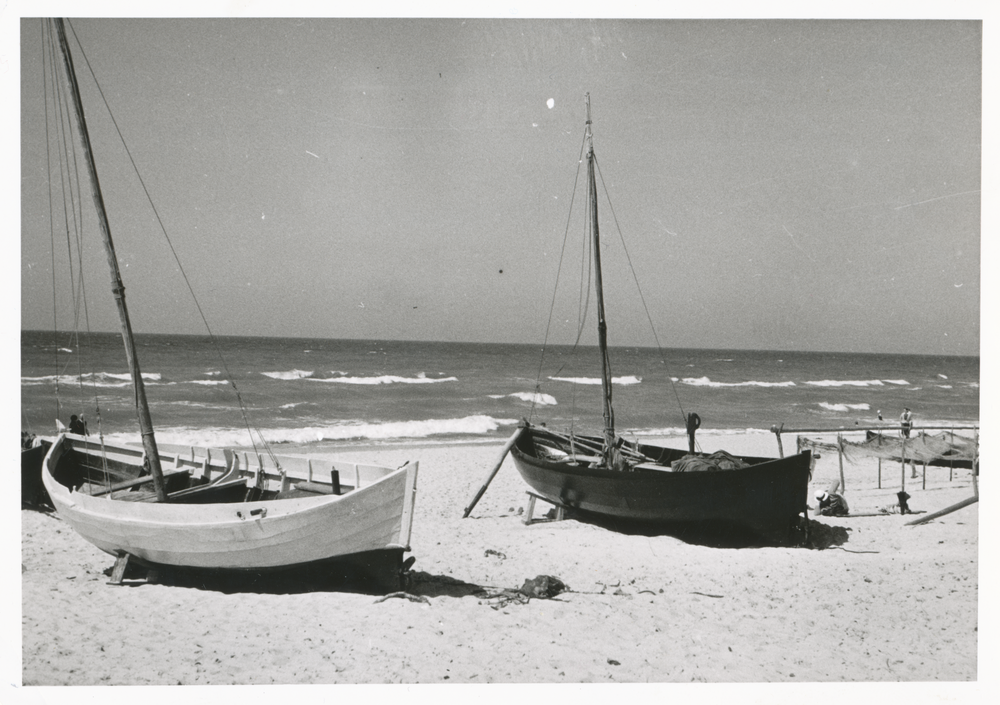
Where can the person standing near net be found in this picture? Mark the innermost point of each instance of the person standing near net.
(906, 422)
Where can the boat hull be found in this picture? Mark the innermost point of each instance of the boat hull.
(33, 492)
(765, 502)
(259, 535)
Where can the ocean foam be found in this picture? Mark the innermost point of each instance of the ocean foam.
(706, 382)
(844, 407)
(92, 379)
(530, 397)
(848, 383)
(421, 378)
(624, 381)
(347, 431)
(289, 374)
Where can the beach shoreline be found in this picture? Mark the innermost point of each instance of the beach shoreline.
(884, 603)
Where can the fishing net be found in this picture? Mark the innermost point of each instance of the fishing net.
(946, 448)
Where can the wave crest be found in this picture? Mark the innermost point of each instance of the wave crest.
(530, 397)
(706, 382)
(478, 425)
(421, 378)
(289, 374)
(624, 381)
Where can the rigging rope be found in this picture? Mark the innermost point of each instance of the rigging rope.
(584, 298)
(69, 182)
(243, 408)
(52, 232)
(552, 306)
(642, 298)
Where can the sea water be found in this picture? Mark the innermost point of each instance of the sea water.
(311, 394)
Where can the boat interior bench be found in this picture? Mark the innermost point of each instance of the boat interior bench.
(135, 482)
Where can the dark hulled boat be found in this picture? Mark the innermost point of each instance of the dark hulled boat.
(636, 487)
(762, 502)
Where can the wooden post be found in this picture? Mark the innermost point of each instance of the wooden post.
(923, 484)
(776, 430)
(902, 467)
(951, 463)
(840, 459)
(496, 468)
(880, 460)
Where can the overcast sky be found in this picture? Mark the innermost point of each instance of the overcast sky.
(779, 184)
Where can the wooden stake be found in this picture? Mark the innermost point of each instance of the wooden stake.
(902, 466)
(951, 463)
(496, 468)
(942, 512)
(840, 459)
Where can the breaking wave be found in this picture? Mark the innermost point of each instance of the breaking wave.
(289, 374)
(844, 407)
(346, 431)
(624, 381)
(421, 378)
(92, 379)
(531, 397)
(706, 382)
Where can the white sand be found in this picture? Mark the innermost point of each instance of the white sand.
(891, 603)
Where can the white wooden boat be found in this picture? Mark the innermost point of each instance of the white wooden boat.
(217, 510)
(296, 514)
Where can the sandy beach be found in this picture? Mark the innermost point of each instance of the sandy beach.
(883, 602)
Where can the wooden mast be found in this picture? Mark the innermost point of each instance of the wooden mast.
(117, 288)
(602, 325)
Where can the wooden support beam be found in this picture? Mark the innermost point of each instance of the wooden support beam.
(494, 470)
(947, 510)
(118, 572)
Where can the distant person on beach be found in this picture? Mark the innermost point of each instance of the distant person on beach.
(831, 504)
(693, 423)
(880, 415)
(906, 421)
(77, 426)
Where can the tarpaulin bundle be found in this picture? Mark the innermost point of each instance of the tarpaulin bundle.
(720, 460)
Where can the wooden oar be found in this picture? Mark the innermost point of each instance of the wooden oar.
(496, 468)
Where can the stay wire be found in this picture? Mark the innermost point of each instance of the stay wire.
(211, 335)
(52, 232)
(555, 289)
(642, 298)
(69, 183)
